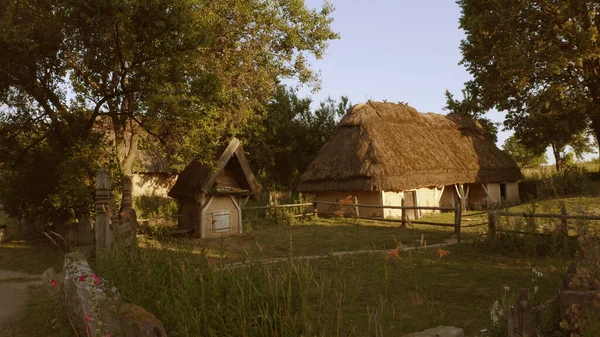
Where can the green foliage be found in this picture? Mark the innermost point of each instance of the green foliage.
(539, 62)
(521, 155)
(80, 80)
(572, 180)
(159, 212)
(290, 136)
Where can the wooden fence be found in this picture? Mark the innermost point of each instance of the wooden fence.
(494, 218)
(404, 220)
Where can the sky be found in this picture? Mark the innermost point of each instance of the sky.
(395, 50)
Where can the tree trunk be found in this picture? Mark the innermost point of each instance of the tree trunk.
(557, 158)
(596, 127)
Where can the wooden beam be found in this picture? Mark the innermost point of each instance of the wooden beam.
(225, 156)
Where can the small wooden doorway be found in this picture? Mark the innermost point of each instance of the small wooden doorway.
(410, 200)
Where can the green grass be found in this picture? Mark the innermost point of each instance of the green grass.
(334, 296)
(310, 238)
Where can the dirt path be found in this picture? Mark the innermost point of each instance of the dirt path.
(13, 292)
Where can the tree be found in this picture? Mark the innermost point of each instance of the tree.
(471, 107)
(552, 119)
(521, 155)
(290, 137)
(188, 73)
(523, 53)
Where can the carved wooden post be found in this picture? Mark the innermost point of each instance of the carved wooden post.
(128, 214)
(520, 317)
(102, 227)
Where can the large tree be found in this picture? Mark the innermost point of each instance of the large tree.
(291, 136)
(525, 56)
(163, 66)
(186, 72)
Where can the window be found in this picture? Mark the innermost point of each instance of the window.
(221, 221)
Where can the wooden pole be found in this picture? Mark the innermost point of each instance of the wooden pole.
(492, 217)
(564, 226)
(457, 216)
(356, 213)
(403, 214)
(315, 210)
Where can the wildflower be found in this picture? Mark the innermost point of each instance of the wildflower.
(53, 283)
(506, 288)
(394, 253)
(108, 335)
(82, 278)
(536, 289)
(87, 318)
(442, 253)
(96, 280)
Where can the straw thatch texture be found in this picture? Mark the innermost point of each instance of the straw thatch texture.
(393, 147)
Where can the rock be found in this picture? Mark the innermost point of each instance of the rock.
(138, 322)
(91, 304)
(54, 283)
(440, 331)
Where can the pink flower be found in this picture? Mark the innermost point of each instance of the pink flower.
(96, 280)
(53, 283)
(87, 318)
(82, 278)
(108, 335)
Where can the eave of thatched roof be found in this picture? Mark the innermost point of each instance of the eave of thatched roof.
(393, 147)
(199, 178)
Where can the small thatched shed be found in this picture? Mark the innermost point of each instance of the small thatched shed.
(211, 200)
(384, 152)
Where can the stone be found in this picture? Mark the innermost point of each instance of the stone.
(139, 322)
(440, 331)
(91, 303)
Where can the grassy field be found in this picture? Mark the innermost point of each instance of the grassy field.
(307, 238)
(545, 171)
(361, 295)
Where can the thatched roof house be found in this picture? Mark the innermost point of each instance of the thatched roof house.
(393, 148)
(211, 198)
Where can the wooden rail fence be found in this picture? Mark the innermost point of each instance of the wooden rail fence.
(404, 220)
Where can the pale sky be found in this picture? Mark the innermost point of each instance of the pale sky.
(395, 50)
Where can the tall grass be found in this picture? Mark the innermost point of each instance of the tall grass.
(194, 299)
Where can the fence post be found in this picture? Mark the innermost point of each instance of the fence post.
(356, 207)
(315, 210)
(403, 213)
(520, 317)
(564, 227)
(102, 226)
(492, 219)
(457, 216)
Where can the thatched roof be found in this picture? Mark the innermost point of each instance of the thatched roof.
(393, 147)
(199, 178)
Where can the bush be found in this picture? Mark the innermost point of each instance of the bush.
(571, 180)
